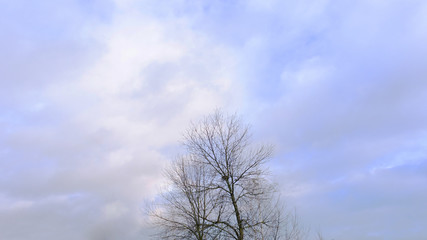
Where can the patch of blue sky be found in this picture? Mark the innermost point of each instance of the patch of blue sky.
(102, 10)
(51, 21)
(401, 159)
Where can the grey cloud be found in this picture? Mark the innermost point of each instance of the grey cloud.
(85, 130)
(88, 120)
(347, 97)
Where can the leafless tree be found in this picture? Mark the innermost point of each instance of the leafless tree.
(222, 143)
(292, 228)
(186, 205)
(220, 188)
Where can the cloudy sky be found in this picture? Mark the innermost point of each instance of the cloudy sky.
(94, 97)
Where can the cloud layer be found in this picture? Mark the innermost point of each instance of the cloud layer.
(94, 97)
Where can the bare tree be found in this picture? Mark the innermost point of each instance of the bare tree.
(292, 228)
(186, 206)
(222, 143)
(220, 188)
(320, 236)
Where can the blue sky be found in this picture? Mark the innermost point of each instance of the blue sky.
(94, 97)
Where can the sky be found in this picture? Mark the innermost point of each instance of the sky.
(95, 96)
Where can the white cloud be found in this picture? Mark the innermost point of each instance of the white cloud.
(101, 143)
(93, 105)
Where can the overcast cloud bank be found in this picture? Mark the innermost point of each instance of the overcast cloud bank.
(94, 96)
